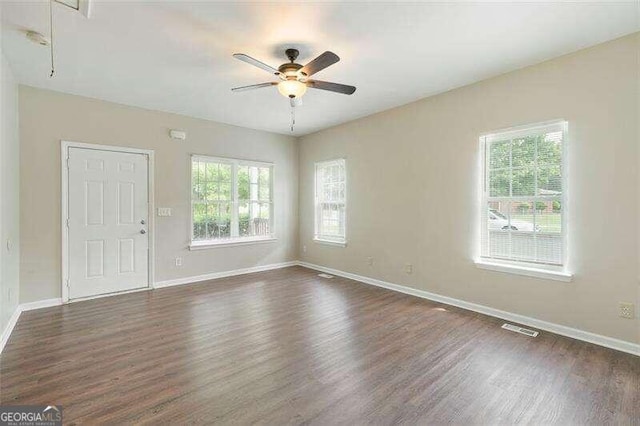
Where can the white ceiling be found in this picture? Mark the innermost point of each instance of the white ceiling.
(176, 56)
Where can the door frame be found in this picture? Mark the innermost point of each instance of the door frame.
(64, 172)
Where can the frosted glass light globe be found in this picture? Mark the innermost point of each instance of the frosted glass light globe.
(292, 88)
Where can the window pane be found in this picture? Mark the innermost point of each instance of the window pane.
(254, 219)
(523, 181)
(264, 186)
(264, 193)
(224, 172)
(210, 191)
(219, 225)
(341, 192)
(199, 220)
(549, 218)
(549, 181)
(224, 191)
(549, 242)
(243, 183)
(498, 239)
(521, 216)
(499, 183)
(521, 229)
(523, 152)
(331, 218)
(211, 172)
(550, 149)
(211, 221)
(499, 153)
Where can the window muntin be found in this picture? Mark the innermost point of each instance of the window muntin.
(232, 200)
(330, 201)
(523, 196)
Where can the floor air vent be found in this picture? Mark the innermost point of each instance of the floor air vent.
(520, 330)
(325, 275)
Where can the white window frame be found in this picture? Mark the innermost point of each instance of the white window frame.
(537, 270)
(235, 239)
(340, 241)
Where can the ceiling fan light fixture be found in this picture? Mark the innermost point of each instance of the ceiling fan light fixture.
(292, 88)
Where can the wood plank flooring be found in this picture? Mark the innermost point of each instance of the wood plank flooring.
(288, 347)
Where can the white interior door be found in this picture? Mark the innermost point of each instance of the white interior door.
(108, 217)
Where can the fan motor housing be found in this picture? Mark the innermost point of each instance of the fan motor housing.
(289, 69)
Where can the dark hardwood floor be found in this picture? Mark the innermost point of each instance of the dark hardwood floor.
(288, 347)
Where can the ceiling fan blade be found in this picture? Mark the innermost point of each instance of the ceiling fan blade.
(332, 87)
(295, 102)
(320, 63)
(256, 63)
(253, 86)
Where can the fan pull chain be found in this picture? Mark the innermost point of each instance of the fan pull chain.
(53, 70)
(293, 117)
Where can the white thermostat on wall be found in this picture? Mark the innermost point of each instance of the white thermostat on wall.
(164, 211)
(178, 134)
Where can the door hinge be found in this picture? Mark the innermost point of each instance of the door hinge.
(67, 222)
(68, 286)
(68, 162)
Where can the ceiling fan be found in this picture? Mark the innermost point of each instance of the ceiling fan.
(294, 78)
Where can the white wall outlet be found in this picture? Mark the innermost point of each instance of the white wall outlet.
(627, 310)
(164, 211)
(370, 261)
(304, 249)
(178, 261)
(408, 268)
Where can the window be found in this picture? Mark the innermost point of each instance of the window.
(231, 201)
(331, 201)
(523, 197)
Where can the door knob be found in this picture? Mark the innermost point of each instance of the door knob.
(142, 231)
(142, 222)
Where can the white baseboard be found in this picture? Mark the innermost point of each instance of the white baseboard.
(20, 309)
(9, 328)
(224, 274)
(574, 333)
(187, 280)
(47, 303)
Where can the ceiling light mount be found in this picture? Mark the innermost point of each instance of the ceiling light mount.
(292, 54)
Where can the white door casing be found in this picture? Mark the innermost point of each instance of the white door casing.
(107, 240)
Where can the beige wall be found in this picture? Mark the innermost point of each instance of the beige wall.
(48, 117)
(9, 193)
(413, 189)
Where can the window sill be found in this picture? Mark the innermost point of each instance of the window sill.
(526, 271)
(204, 245)
(330, 243)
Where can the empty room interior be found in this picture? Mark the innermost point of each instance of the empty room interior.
(320, 212)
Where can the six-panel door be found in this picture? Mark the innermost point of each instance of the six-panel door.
(108, 217)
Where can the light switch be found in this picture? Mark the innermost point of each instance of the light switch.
(164, 211)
